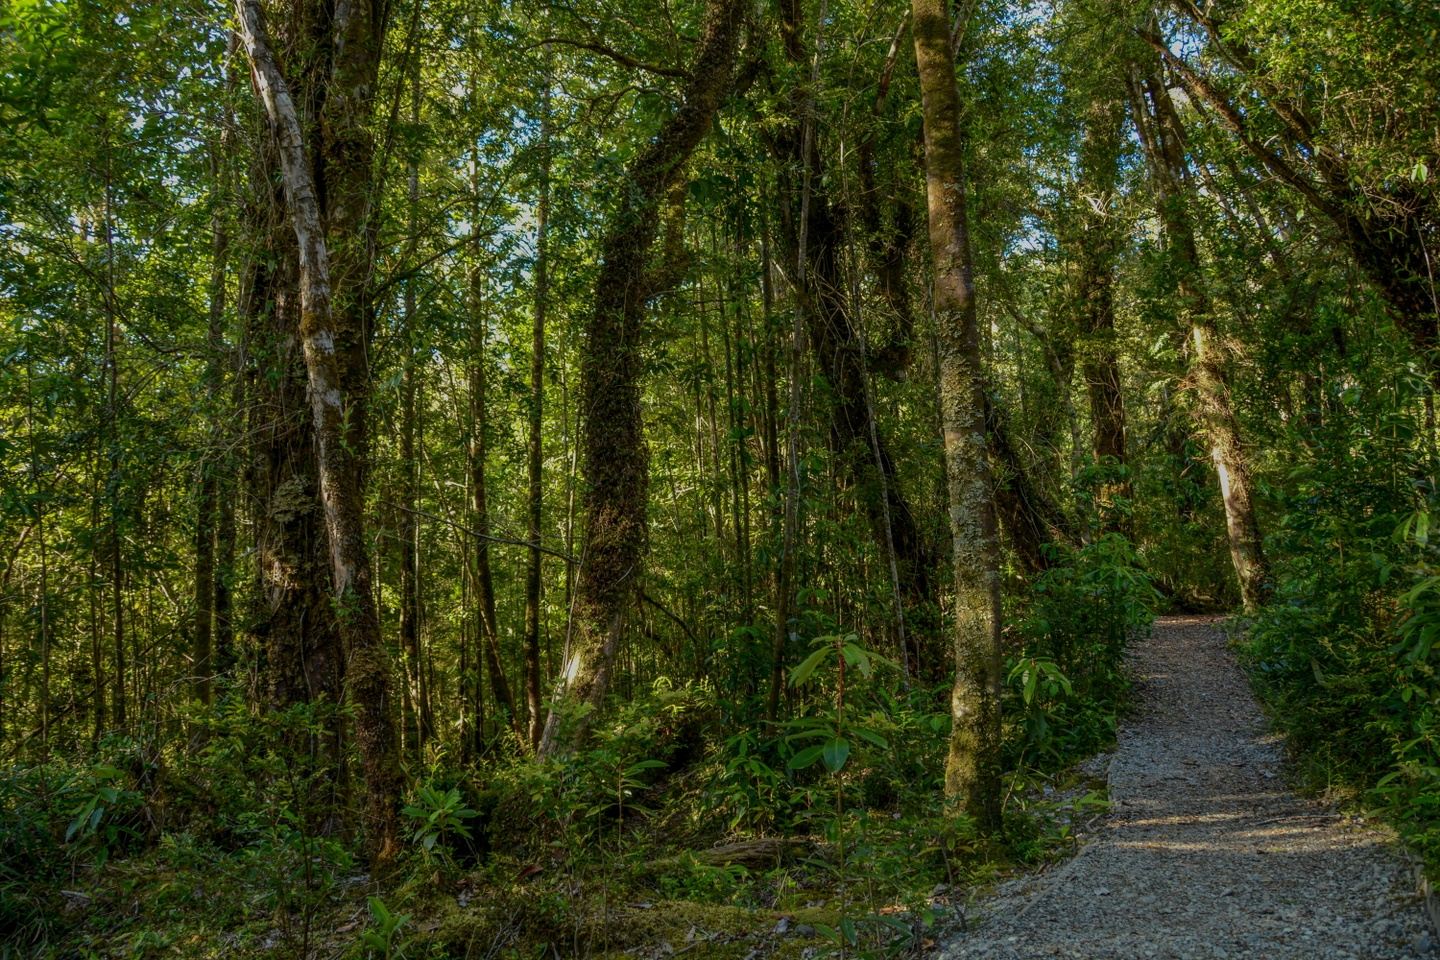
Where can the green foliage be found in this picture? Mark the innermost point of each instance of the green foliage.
(436, 815)
(1345, 655)
(130, 150)
(746, 789)
(834, 729)
(97, 819)
(703, 882)
(380, 940)
(1068, 683)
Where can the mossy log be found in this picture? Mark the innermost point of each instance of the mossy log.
(761, 854)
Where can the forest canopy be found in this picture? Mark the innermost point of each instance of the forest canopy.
(506, 452)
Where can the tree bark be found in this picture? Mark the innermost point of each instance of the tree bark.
(833, 337)
(535, 441)
(1098, 242)
(407, 534)
(972, 769)
(294, 623)
(337, 459)
(1214, 415)
(112, 443)
(209, 493)
(488, 625)
(616, 462)
(415, 702)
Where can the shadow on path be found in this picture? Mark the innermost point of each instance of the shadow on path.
(1206, 854)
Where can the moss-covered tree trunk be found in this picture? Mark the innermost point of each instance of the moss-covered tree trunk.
(1098, 242)
(292, 621)
(814, 234)
(972, 769)
(535, 440)
(1214, 414)
(616, 462)
(333, 344)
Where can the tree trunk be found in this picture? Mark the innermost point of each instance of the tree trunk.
(789, 514)
(209, 494)
(488, 625)
(535, 441)
(1098, 242)
(889, 246)
(616, 462)
(415, 701)
(1214, 416)
(834, 338)
(112, 485)
(324, 341)
(228, 491)
(295, 623)
(972, 769)
(1030, 518)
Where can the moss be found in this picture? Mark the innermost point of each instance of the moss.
(622, 930)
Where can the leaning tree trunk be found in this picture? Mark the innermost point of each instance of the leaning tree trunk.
(1388, 235)
(341, 491)
(834, 338)
(1215, 417)
(972, 769)
(616, 462)
(1026, 512)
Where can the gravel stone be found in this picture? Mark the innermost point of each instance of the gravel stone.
(1205, 854)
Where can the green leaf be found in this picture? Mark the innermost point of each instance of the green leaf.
(645, 765)
(871, 737)
(857, 657)
(806, 757)
(836, 752)
(802, 673)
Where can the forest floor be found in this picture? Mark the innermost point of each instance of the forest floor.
(1207, 853)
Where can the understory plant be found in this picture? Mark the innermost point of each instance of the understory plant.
(1067, 680)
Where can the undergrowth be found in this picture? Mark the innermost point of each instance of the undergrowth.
(825, 833)
(1344, 656)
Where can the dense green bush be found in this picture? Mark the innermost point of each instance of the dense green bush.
(1067, 680)
(1344, 655)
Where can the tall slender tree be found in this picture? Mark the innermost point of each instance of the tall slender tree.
(1163, 136)
(972, 769)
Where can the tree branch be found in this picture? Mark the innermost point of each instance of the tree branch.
(624, 59)
(1202, 90)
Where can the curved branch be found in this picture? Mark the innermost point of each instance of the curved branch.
(610, 53)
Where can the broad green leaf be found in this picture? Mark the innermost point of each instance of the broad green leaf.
(802, 672)
(806, 757)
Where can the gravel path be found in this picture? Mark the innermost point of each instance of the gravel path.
(1206, 854)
